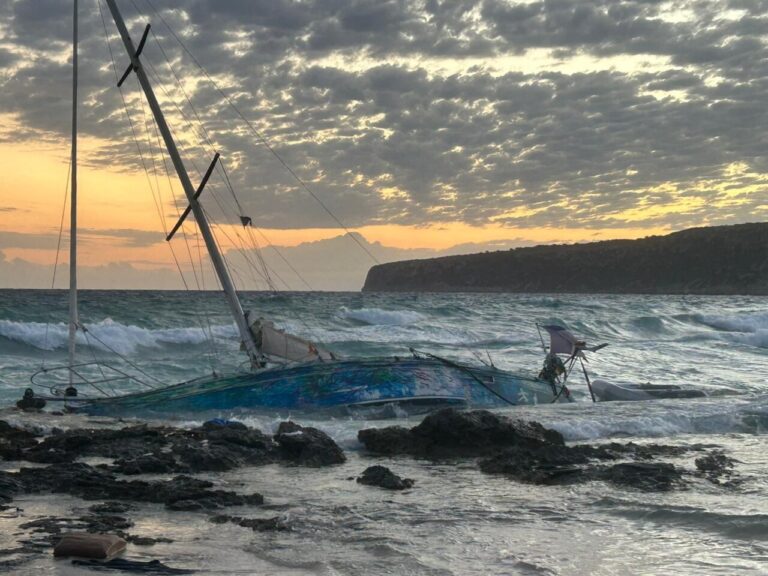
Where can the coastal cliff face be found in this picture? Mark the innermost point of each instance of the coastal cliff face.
(715, 260)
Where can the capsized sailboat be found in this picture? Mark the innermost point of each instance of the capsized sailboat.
(283, 371)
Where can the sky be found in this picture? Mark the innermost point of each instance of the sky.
(411, 128)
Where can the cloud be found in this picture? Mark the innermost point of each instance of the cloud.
(395, 111)
(20, 273)
(49, 240)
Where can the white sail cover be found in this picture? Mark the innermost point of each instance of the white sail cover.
(275, 342)
(561, 341)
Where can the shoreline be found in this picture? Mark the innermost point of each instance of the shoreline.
(115, 474)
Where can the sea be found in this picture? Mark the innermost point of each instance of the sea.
(455, 520)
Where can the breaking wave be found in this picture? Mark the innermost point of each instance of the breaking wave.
(108, 334)
(379, 316)
(750, 329)
(756, 322)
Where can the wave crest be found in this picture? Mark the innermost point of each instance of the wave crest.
(108, 335)
(379, 316)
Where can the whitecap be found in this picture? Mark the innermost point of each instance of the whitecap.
(109, 335)
(379, 316)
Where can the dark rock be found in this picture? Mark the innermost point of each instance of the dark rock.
(656, 476)
(14, 440)
(162, 463)
(450, 433)
(146, 540)
(544, 465)
(130, 442)
(614, 450)
(90, 483)
(220, 424)
(715, 466)
(29, 402)
(111, 508)
(307, 446)
(9, 487)
(387, 441)
(143, 449)
(384, 478)
(274, 524)
(131, 566)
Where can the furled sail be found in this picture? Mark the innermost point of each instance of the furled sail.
(275, 342)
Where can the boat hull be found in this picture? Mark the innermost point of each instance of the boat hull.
(415, 384)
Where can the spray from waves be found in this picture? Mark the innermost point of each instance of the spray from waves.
(122, 338)
(754, 322)
(669, 419)
(379, 316)
(750, 329)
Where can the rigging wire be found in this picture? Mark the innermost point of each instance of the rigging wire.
(146, 170)
(213, 357)
(261, 137)
(206, 136)
(255, 246)
(135, 138)
(124, 359)
(265, 274)
(56, 260)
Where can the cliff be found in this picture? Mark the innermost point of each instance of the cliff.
(714, 260)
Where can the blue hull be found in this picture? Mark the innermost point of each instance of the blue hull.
(412, 383)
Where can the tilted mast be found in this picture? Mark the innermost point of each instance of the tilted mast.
(205, 230)
(73, 317)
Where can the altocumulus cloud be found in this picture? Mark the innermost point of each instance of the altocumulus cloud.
(525, 113)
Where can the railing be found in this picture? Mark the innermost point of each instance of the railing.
(58, 380)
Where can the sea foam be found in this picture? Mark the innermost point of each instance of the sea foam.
(109, 335)
(379, 316)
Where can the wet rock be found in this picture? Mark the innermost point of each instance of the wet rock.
(162, 463)
(307, 446)
(87, 482)
(154, 567)
(451, 433)
(650, 476)
(274, 524)
(13, 441)
(130, 442)
(103, 518)
(544, 465)
(383, 477)
(614, 450)
(216, 446)
(9, 487)
(111, 508)
(716, 467)
(29, 402)
(146, 540)
(152, 450)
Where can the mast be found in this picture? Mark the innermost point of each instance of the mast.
(73, 319)
(219, 265)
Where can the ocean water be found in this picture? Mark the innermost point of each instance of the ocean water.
(456, 520)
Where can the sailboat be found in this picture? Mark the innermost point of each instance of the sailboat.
(284, 371)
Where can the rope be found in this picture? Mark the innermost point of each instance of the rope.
(468, 371)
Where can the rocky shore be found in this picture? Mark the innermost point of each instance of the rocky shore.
(116, 469)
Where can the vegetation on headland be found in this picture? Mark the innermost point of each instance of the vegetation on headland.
(713, 260)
